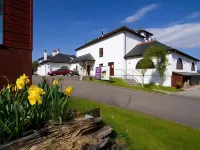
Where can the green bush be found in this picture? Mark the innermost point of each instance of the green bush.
(24, 109)
(178, 85)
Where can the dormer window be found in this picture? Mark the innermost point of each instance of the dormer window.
(147, 36)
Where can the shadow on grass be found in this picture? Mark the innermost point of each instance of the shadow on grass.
(120, 141)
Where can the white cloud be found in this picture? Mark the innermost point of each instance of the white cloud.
(194, 15)
(179, 36)
(140, 13)
(176, 22)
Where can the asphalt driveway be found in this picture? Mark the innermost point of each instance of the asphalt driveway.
(191, 93)
(182, 110)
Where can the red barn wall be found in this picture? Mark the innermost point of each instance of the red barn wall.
(16, 50)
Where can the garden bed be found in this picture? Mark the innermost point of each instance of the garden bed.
(84, 132)
(38, 117)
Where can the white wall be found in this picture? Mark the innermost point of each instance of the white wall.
(50, 66)
(43, 69)
(55, 66)
(132, 40)
(113, 51)
(152, 75)
(187, 63)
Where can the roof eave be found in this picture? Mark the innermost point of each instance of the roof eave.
(184, 54)
(123, 28)
(131, 56)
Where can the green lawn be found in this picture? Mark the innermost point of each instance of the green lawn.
(149, 88)
(144, 132)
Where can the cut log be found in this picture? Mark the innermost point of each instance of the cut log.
(68, 135)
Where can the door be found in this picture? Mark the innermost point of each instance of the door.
(88, 70)
(111, 64)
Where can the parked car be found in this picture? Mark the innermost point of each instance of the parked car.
(63, 72)
(75, 72)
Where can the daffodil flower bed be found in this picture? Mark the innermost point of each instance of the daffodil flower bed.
(24, 108)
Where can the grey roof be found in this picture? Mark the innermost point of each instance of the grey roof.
(59, 58)
(188, 73)
(123, 28)
(140, 49)
(42, 58)
(83, 58)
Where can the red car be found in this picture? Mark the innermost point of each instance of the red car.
(63, 72)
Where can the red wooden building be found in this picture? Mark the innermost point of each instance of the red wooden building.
(16, 48)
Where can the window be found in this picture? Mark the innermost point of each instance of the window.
(179, 64)
(147, 36)
(141, 64)
(193, 67)
(65, 67)
(100, 65)
(101, 52)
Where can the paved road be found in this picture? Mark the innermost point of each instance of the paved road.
(192, 93)
(185, 111)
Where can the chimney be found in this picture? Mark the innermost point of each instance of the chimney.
(54, 53)
(45, 55)
(102, 33)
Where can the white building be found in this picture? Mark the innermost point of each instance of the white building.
(123, 48)
(53, 62)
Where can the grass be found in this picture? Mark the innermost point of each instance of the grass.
(149, 88)
(168, 89)
(143, 132)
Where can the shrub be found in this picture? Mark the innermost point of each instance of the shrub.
(178, 85)
(24, 109)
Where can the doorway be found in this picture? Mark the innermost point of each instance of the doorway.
(88, 70)
(187, 79)
(111, 64)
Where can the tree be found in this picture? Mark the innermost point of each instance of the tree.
(34, 65)
(158, 53)
(143, 65)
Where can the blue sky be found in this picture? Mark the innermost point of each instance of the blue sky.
(67, 24)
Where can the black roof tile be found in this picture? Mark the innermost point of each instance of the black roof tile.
(123, 28)
(58, 58)
(140, 49)
(83, 58)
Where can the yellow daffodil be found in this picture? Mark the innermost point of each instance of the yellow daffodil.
(20, 83)
(34, 88)
(8, 87)
(14, 88)
(25, 78)
(34, 97)
(69, 90)
(34, 94)
(55, 82)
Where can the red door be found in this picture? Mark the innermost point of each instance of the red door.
(111, 64)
